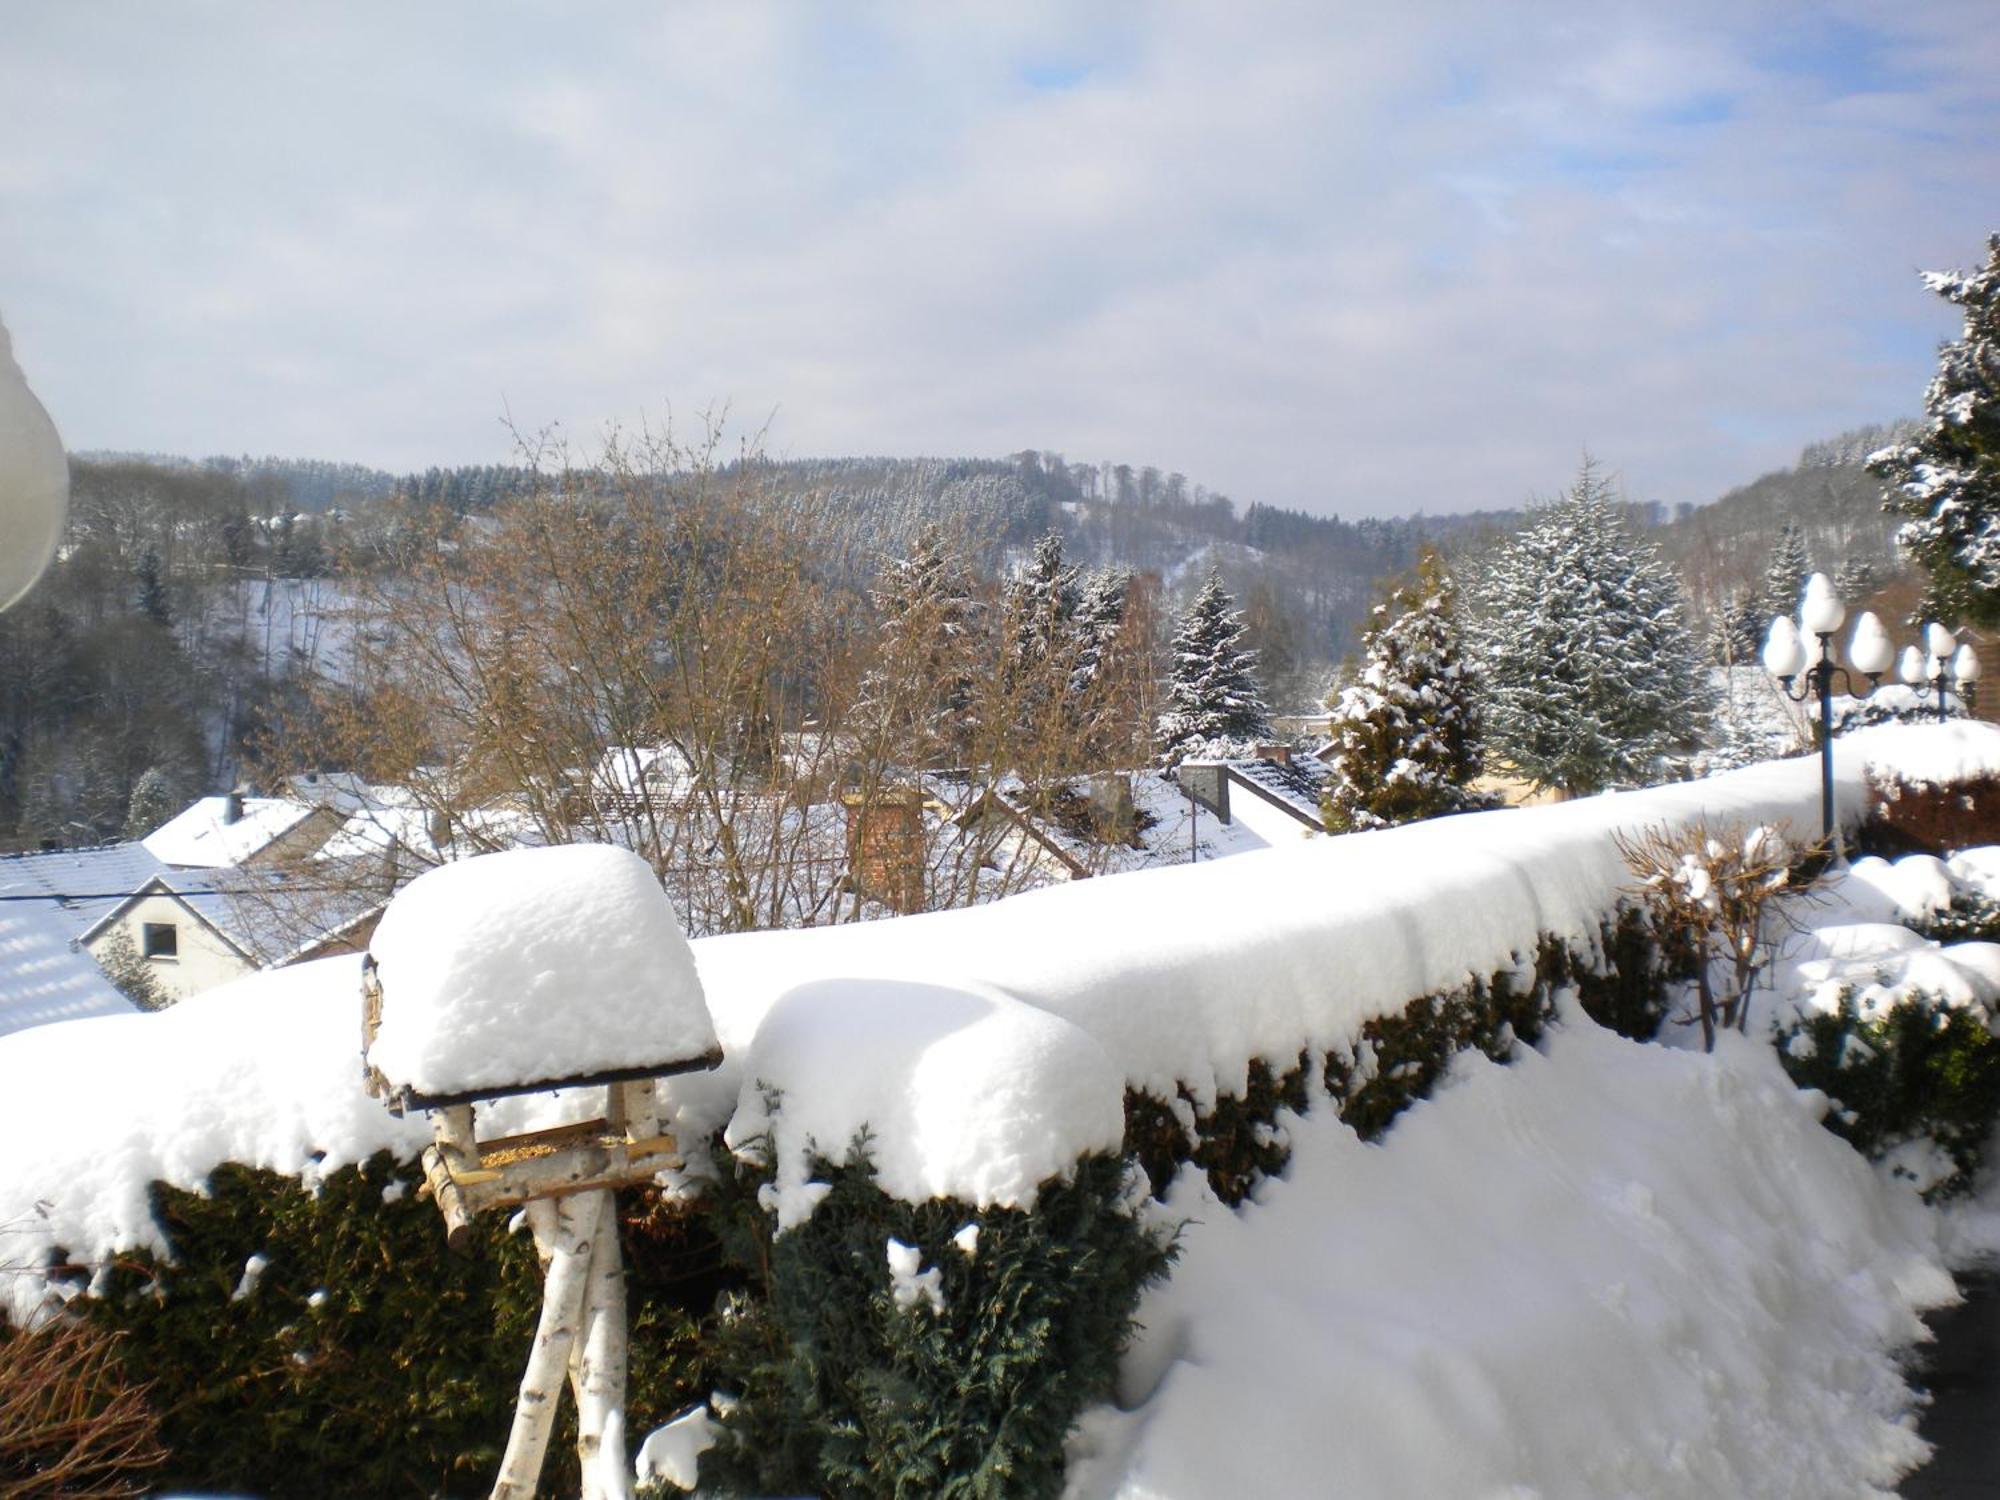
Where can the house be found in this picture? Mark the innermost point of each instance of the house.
(47, 902)
(62, 913)
(196, 930)
(235, 831)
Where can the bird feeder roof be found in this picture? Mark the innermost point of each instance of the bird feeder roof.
(532, 969)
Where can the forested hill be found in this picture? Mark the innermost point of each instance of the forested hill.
(1722, 548)
(1305, 581)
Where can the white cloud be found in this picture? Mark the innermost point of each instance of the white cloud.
(1351, 258)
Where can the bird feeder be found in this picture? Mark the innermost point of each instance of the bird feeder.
(522, 973)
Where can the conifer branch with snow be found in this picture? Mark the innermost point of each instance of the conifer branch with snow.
(1214, 704)
(1593, 677)
(1946, 480)
(1407, 733)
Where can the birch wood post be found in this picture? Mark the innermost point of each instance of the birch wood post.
(597, 1365)
(568, 1252)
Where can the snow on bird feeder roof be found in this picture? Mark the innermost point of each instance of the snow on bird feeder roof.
(531, 969)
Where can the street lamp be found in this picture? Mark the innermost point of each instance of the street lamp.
(1941, 667)
(1807, 648)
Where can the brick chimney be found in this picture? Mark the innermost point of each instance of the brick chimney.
(885, 846)
(1280, 755)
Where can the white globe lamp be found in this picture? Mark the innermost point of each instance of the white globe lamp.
(34, 482)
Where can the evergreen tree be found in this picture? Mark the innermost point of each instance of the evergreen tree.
(1856, 580)
(1592, 675)
(919, 691)
(1041, 606)
(1214, 706)
(153, 803)
(152, 598)
(1785, 578)
(1100, 612)
(1096, 709)
(1738, 633)
(1041, 603)
(1406, 735)
(130, 974)
(1947, 480)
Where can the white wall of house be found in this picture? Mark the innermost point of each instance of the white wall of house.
(1275, 826)
(202, 959)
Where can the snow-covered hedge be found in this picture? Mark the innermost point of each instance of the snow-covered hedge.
(1224, 993)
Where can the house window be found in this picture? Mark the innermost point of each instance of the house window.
(159, 940)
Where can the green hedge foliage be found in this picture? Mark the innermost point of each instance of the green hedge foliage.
(1236, 1140)
(1969, 919)
(838, 1391)
(366, 1359)
(1922, 1071)
(400, 1378)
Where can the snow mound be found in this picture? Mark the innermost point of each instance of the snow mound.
(263, 1072)
(1612, 1269)
(1859, 942)
(1928, 754)
(1976, 872)
(1914, 887)
(964, 1093)
(533, 965)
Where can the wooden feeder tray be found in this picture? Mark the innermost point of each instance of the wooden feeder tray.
(468, 1176)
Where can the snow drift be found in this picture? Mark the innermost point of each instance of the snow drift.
(1610, 1270)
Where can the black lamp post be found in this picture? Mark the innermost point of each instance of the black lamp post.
(1942, 667)
(1821, 613)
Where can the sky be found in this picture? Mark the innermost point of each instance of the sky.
(1358, 259)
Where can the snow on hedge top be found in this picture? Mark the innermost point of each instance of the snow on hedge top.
(964, 1093)
(1186, 974)
(260, 1072)
(1180, 976)
(1933, 755)
(530, 966)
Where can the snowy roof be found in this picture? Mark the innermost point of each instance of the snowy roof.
(341, 790)
(395, 818)
(1165, 832)
(1296, 785)
(51, 901)
(267, 916)
(635, 770)
(203, 837)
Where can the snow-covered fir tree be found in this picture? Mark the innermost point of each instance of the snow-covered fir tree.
(1041, 602)
(919, 690)
(1214, 705)
(153, 803)
(1407, 733)
(1947, 479)
(1785, 577)
(1738, 632)
(1855, 580)
(1592, 675)
(1100, 613)
(1040, 606)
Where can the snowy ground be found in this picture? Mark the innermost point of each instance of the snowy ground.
(1610, 1270)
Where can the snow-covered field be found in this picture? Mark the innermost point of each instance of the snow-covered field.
(1609, 1269)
